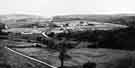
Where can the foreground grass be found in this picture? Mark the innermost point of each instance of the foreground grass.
(103, 58)
(9, 59)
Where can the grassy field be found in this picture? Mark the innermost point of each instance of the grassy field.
(9, 59)
(103, 58)
(83, 55)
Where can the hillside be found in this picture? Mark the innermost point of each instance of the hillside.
(126, 19)
(21, 20)
(113, 48)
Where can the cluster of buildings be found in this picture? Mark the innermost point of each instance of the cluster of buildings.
(82, 25)
(72, 23)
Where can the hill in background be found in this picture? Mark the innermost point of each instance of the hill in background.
(125, 19)
(21, 20)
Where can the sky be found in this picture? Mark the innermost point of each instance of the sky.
(49, 8)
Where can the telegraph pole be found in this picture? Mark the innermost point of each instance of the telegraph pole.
(62, 49)
(62, 52)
